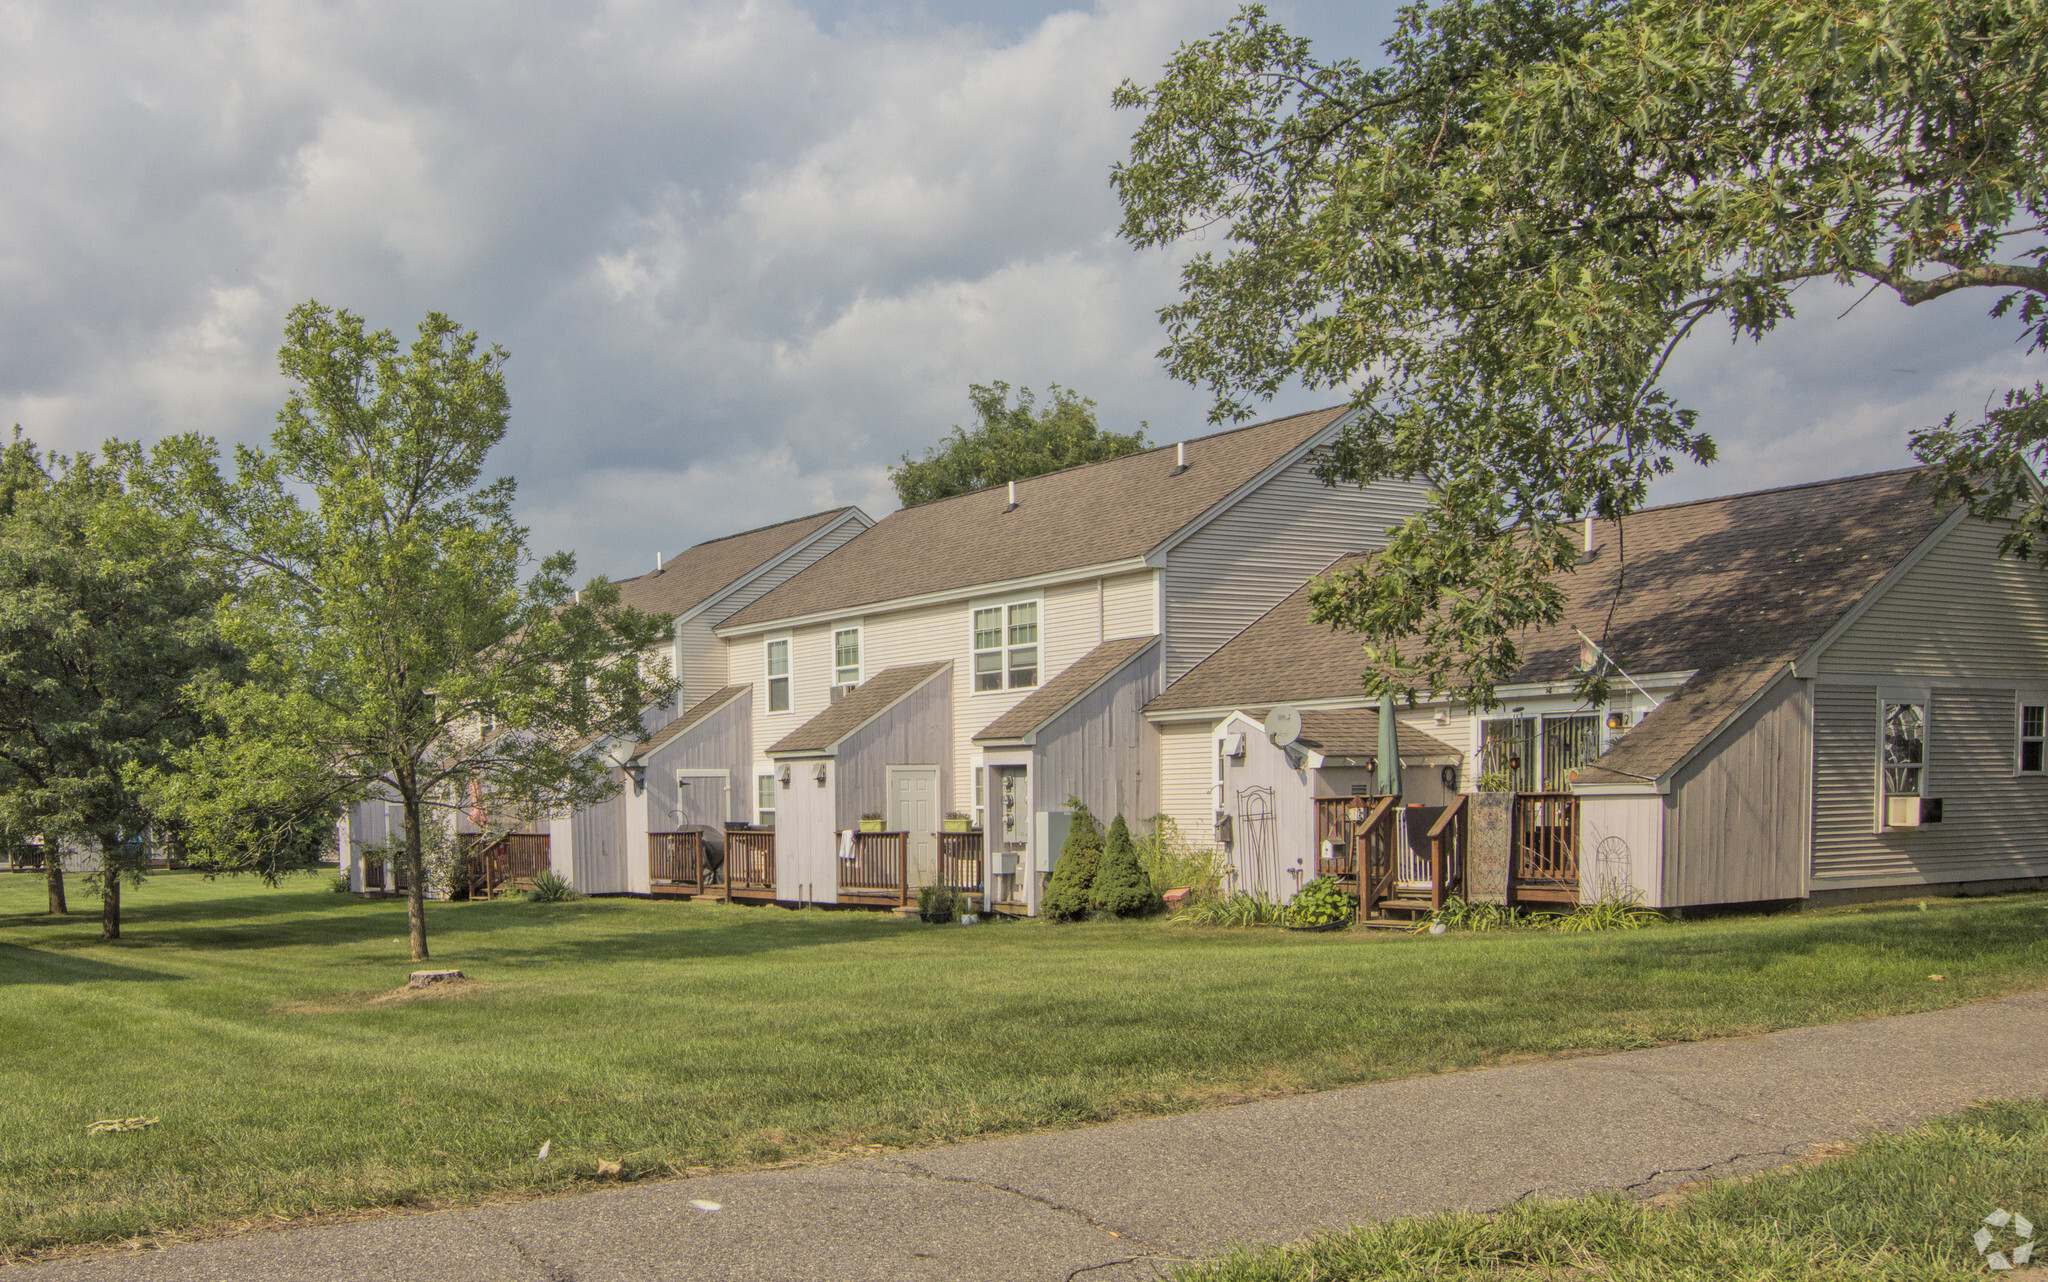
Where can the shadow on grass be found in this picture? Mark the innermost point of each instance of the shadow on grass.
(19, 965)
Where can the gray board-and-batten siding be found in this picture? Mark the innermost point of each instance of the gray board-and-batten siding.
(916, 731)
(1097, 749)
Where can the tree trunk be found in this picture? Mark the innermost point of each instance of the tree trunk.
(110, 896)
(416, 882)
(53, 873)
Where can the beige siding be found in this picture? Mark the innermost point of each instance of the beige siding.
(1130, 605)
(1621, 848)
(1962, 611)
(1187, 771)
(703, 661)
(1995, 824)
(1245, 561)
(1735, 821)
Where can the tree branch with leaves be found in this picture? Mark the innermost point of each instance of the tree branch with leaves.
(1495, 240)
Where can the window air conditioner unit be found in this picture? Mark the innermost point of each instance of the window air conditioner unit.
(1911, 812)
(840, 692)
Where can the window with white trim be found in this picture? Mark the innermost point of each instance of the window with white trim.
(846, 657)
(1904, 764)
(980, 796)
(764, 801)
(778, 676)
(1006, 646)
(2033, 735)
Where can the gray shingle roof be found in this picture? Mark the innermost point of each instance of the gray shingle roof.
(1733, 587)
(1100, 512)
(1355, 732)
(694, 576)
(1054, 697)
(697, 712)
(869, 700)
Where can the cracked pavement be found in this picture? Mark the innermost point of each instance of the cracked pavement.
(1125, 1201)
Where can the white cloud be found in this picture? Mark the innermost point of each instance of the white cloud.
(743, 256)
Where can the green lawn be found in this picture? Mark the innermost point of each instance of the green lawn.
(1899, 1207)
(671, 1035)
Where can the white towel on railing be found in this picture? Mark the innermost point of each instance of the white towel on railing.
(846, 844)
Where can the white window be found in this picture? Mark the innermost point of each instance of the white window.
(2033, 733)
(980, 796)
(1904, 764)
(1006, 646)
(764, 801)
(778, 676)
(846, 657)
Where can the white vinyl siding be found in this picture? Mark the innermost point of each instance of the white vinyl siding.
(1245, 561)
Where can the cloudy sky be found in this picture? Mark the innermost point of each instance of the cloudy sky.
(745, 253)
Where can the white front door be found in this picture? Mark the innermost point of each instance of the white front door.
(914, 808)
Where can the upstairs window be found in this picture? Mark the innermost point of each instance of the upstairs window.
(2033, 732)
(1905, 749)
(778, 676)
(846, 657)
(1006, 646)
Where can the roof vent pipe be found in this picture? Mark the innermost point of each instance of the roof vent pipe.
(1180, 459)
(657, 563)
(1013, 498)
(1589, 532)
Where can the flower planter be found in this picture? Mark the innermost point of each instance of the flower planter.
(955, 825)
(872, 825)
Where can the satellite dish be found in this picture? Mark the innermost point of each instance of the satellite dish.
(1283, 725)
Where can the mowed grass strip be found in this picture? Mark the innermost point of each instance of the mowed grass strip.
(1898, 1207)
(669, 1035)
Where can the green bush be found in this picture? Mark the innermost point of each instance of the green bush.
(340, 886)
(550, 887)
(1171, 861)
(1239, 909)
(1321, 902)
(1121, 886)
(1461, 914)
(937, 904)
(1073, 877)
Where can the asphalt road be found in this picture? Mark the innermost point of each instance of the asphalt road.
(1121, 1201)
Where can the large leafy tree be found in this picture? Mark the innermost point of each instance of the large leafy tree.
(1010, 443)
(1495, 240)
(105, 627)
(402, 641)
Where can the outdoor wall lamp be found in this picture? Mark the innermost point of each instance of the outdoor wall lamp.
(785, 776)
(637, 772)
(821, 774)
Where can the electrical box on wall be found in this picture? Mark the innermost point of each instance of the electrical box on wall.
(1911, 812)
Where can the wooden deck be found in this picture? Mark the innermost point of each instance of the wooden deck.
(511, 863)
(1401, 861)
(1545, 866)
(877, 871)
(675, 864)
(749, 871)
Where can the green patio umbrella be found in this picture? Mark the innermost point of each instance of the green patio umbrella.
(1388, 776)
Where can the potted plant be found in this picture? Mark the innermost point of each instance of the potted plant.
(955, 822)
(871, 821)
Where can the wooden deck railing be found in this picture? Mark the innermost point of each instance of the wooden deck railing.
(373, 874)
(878, 868)
(749, 861)
(675, 860)
(1360, 833)
(960, 863)
(1545, 862)
(514, 860)
(1447, 853)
